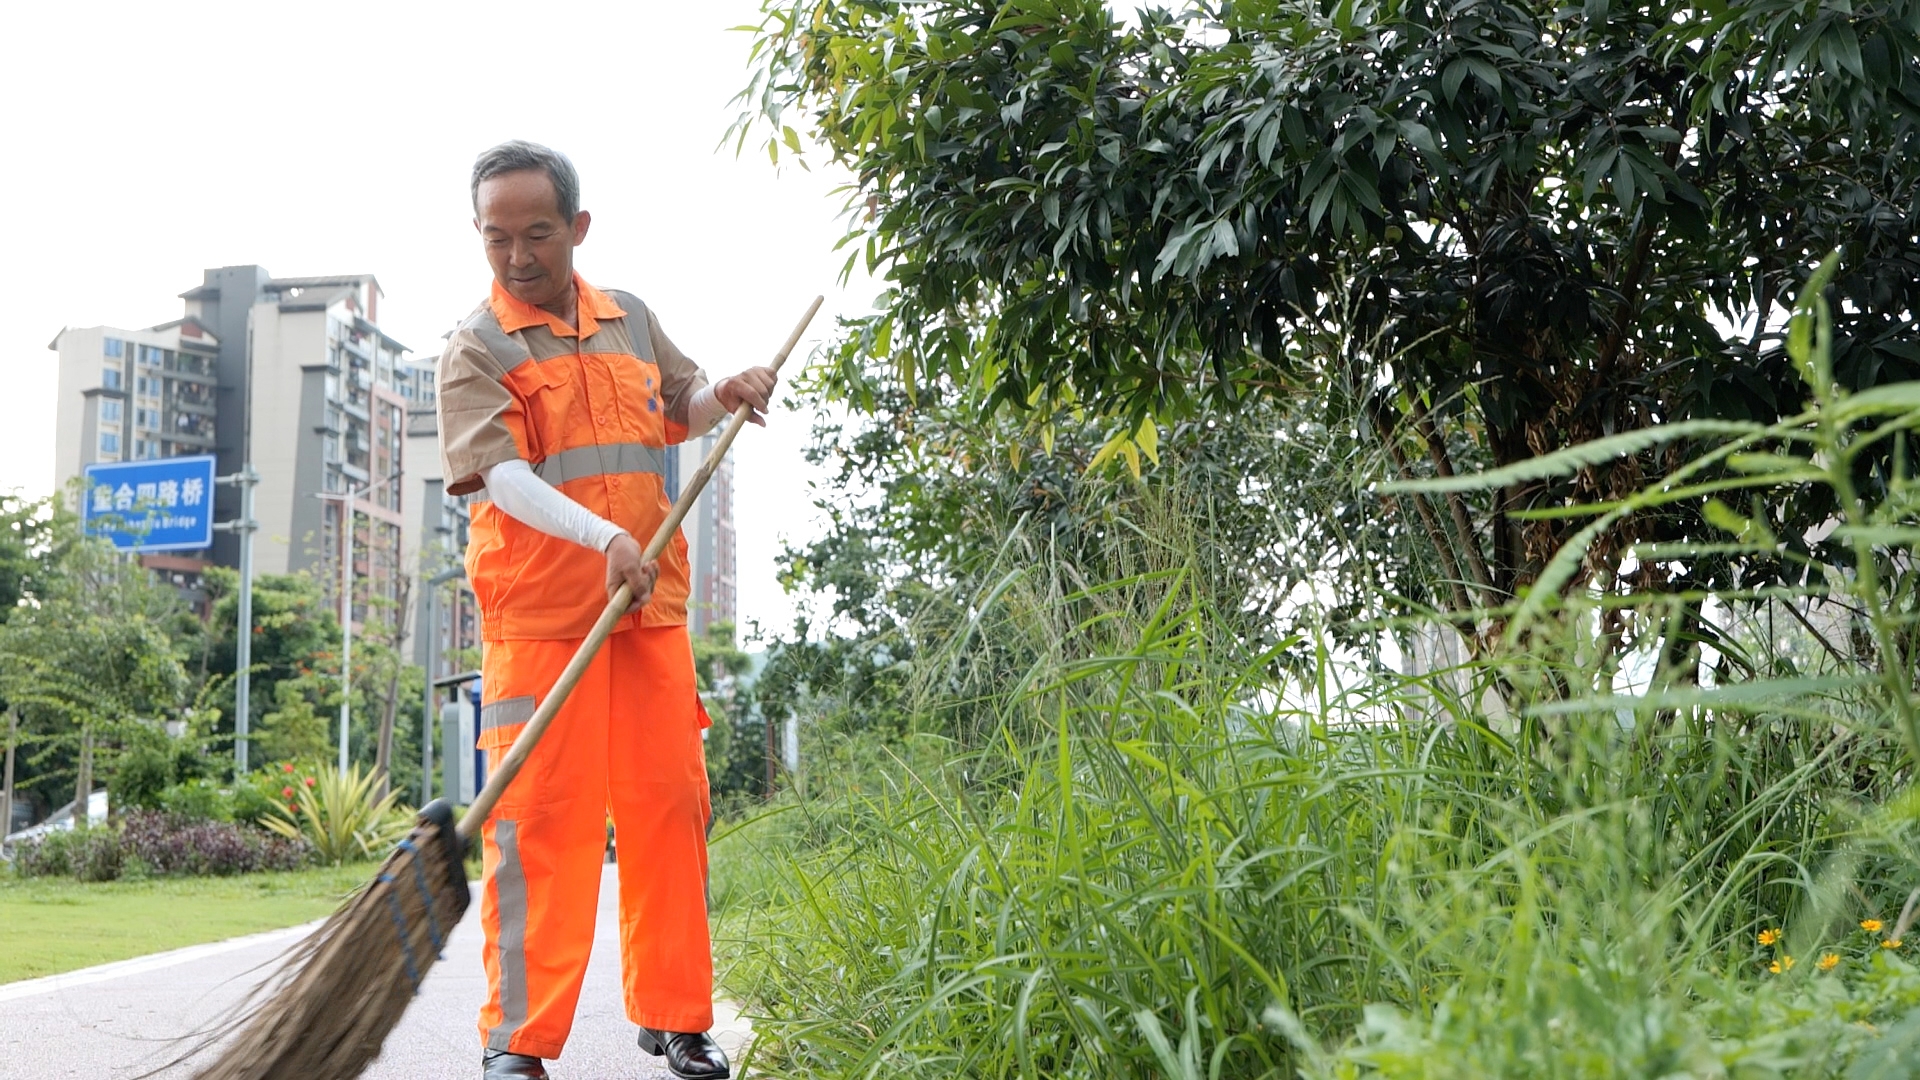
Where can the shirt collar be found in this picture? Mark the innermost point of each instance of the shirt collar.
(516, 315)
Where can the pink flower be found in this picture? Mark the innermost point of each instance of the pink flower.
(286, 793)
(309, 781)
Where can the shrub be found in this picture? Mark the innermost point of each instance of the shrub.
(249, 803)
(171, 844)
(143, 774)
(49, 855)
(96, 855)
(202, 800)
(86, 854)
(338, 814)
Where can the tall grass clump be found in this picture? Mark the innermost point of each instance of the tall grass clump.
(1126, 841)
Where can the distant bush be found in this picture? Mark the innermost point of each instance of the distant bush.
(245, 802)
(151, 843)
(87, 854)
(250, 803)
(174, 844)
(151, 765)
(201, 800)
(144, 773)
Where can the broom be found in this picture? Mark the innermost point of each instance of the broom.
(342, 990)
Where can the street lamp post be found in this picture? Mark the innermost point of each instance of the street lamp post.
(428, 710)
(347, 500)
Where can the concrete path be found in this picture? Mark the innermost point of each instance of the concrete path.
(114, 1022)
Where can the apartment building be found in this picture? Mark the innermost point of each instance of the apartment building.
(709, 531)
(296, 376)
(129, 395)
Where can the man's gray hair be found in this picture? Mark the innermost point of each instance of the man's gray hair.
(518, 155)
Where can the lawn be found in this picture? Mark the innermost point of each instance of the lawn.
(51, 925)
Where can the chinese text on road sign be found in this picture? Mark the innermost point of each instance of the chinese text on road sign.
(156, 505)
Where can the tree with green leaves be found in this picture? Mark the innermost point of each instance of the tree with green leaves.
(89, 658)
(1478, 232)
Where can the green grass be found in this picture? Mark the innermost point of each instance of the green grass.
(53, 925)
(1123, 840)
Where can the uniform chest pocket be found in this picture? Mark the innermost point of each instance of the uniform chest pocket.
(642, 403)
(549, 391)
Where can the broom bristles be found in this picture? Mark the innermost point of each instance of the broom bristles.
(342, 991)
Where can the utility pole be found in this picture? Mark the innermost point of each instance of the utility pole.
(429, 707)
(246, 478)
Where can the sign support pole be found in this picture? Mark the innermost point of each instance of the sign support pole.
(245, 479)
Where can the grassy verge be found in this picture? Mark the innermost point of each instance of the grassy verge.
(52, 925)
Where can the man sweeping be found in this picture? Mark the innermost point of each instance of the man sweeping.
(557, 403)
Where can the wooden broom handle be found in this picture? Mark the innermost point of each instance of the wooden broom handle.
(510, 765)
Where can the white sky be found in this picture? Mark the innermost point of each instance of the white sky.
(152, 140)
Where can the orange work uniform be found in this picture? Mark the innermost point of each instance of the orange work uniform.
(592, 411)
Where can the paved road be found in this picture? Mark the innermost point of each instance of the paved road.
(115, 1022)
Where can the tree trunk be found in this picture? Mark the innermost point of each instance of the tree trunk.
(768, 724)
(83, 782)
(6, 791)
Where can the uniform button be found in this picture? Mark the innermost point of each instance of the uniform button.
(601, 420)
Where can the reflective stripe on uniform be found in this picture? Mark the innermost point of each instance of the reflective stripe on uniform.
(510, 892)
(611, 459)
(513, 710)
(486, 326)
(636, 320)
(601, 460)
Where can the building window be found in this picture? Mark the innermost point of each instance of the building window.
(110, 378)
(148, 418)
(110, 410)
(116, 348)
(110, 443)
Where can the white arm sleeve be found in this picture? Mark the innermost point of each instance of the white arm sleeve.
(704, 410)
(532, 501)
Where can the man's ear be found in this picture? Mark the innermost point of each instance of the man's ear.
(476, 224)
(580, 222)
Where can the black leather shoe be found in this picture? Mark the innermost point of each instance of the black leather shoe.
(692, 1056)
(500, 1065)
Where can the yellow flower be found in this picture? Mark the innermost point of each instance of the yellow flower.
(1829, 961)
(1769, 937)
(1891, 943)
(1871, 926)
(1783, 964)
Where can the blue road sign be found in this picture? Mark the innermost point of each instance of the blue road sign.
(163, 504)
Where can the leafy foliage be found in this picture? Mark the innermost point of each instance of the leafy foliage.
(1502, 228)
(171, 844)
(341, 815)
(87, 854)
(96, 657)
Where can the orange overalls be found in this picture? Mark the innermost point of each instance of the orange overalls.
(592, 411)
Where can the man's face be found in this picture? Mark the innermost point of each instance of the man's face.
(529, 245)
